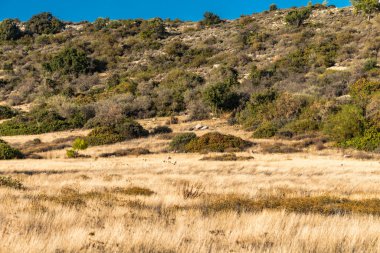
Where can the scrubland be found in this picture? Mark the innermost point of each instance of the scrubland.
(310, 201)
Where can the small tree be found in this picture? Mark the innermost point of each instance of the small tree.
(210, 19)
(367, 7)
(220, 96)
(69, 61)
(346, 124)
(273, 7)
(44, 23)
(153, 29)
(9, 30)
(101, 23)
(297, 17)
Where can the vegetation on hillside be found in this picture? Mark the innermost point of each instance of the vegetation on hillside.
(279, 73)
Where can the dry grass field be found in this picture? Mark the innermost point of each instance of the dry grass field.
(309, 201)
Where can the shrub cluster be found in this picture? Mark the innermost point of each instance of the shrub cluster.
(125, 130)
(8, 153)
(210, 142)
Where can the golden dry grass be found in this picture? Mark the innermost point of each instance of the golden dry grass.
(141, 203)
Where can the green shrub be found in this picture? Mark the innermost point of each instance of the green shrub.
(103, 136)
(44, 23)
(9, 30)
(80, 144)
(210, 19)
(179, 141)
(101, 23)
(8, 153)
(69, 61)
(273, 7)
(370, 64)
(39, 121)
(221, 97)
(363, 89)
(125, 130)
(298, 16)
(161, 130)
(153, 29)
(6, 112)
(346, 124)
(369, 141)
(366, 6)
(216, 142)
(265, 130)
(71, 153)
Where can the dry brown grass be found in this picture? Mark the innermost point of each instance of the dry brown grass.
(319, 201)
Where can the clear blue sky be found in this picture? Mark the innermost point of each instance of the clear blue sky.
(77, 10)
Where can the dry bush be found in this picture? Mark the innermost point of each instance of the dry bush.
(227, 157)
(191, 190)
(127, 152)
(12, 183)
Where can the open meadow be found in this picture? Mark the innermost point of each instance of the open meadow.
(309, 201)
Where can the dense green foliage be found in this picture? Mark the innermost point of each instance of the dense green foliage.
(180, 141)
(6, 112)
(8, 153)
(125, 130)
(40, 121)
(9, 30)
(44, 23)
(297, 17)
(69, 61)
(210, 18)
(366, 6)
(216, 142)
(220, 96)
(318, 77)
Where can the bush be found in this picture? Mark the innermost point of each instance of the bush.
(220, 96)
(370, 64)
(71, 153)
(363, 89)
(366, 6)
(80, 144)
(345, 124)
(6, 112)
(103, 136)
(370, 141)
(179, 142)
(298, 16)
(265, 130)
(44, 23)
(38, 122)
(11, 183)
(125, 130)
(273, 7)
(161, 130)
(135, 191)
(210, 19)
(216, 142)
(153, 29)
(8, 153)
(9, 30)
(69, 61)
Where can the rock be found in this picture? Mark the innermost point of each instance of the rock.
(198, 127)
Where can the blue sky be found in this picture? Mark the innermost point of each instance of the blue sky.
(77, 10)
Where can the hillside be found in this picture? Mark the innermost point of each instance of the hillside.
(274, 78)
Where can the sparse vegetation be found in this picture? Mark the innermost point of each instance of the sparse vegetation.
(10, 182)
